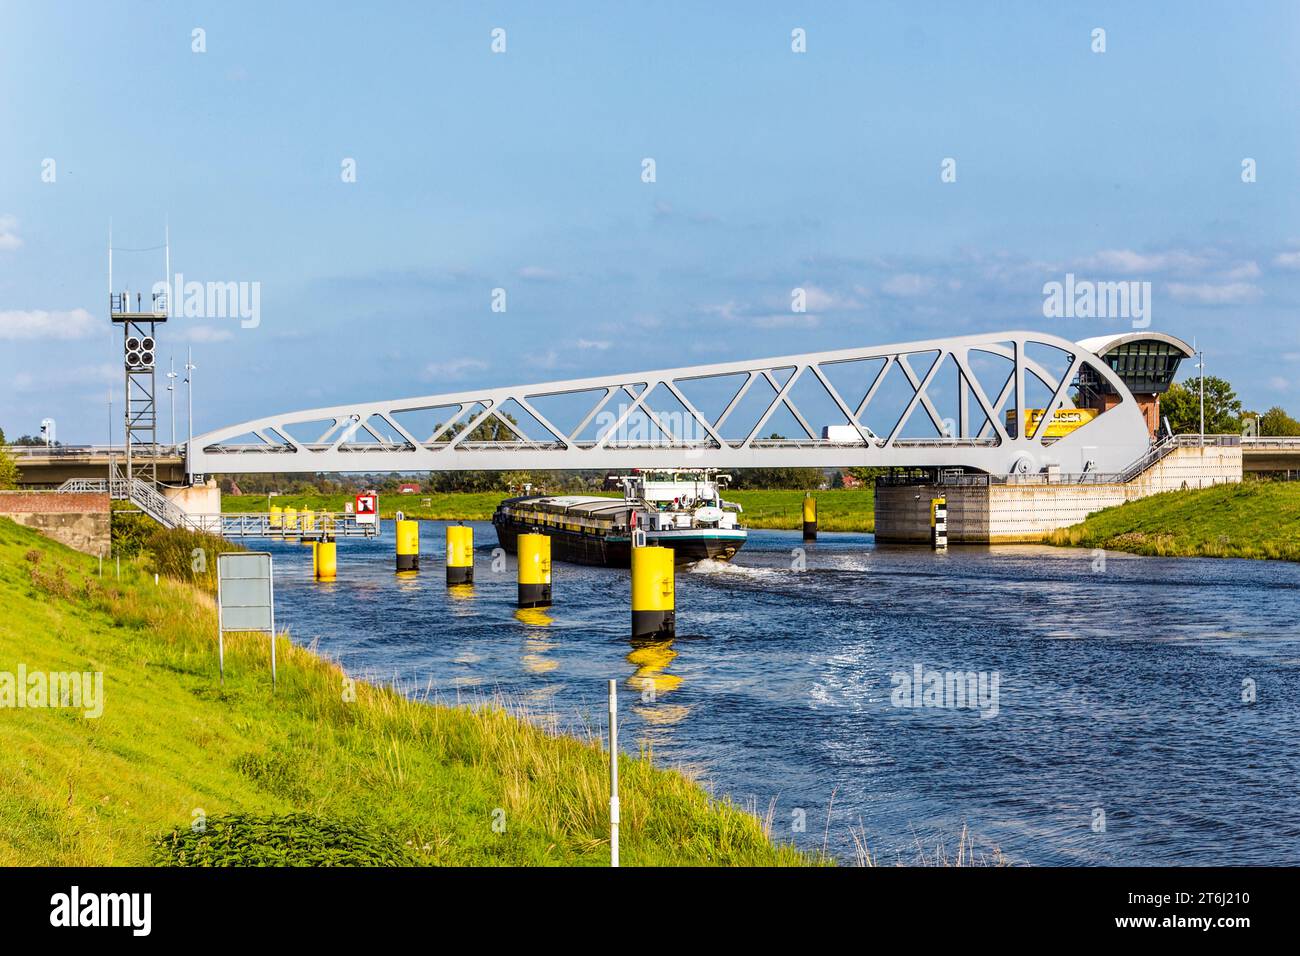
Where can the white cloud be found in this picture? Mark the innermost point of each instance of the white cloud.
(538, 273)
(1234, 293)
(9, 240)
(102, 374)
(786, 320)
(818, 299)
(1243, 270)
(19, 325)
(599, 345)
(1287, 260)
(907, 284)
(208, 334)
(455, 368)
(1129, 262)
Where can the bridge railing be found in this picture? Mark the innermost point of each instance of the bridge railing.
(1271, 441)
(1158, 451)
(94, 451)
(259, 524)
(144, 496)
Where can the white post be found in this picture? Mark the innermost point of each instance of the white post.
(1201, 365)
(167, 268)
(271, 582)
(613, 773)
(189, 392)
(171, 387)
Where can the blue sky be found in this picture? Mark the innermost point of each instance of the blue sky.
(523, 170)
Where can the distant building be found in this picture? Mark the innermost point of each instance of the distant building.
(408, 488)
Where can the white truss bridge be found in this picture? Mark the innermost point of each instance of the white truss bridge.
(957, 402)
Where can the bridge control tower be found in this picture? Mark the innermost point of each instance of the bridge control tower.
(1146, 362)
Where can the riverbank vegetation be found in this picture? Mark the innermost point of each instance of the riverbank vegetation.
(441, 506)
(180, 769)
(177, 553)
(1252, 519)
(839, 509)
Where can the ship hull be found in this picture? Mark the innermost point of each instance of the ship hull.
(614, 550)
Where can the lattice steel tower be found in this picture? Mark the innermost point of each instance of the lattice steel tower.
(139, 359)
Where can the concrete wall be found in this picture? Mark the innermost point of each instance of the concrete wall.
(202, 499)
(1026, 510)
(79, 521)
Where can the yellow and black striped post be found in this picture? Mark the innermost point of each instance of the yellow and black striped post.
(534, 570)
(460, 554)
(325, 558)
(408, 545)
(939, 524)
(809, 518)
(654, 612)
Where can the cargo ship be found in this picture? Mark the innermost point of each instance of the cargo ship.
(681, 509)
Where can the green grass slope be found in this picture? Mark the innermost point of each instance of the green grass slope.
(1254, 519)
(180, 770)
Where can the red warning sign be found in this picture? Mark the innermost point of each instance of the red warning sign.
(367, 508)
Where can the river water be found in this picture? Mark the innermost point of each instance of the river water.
(1111, 720)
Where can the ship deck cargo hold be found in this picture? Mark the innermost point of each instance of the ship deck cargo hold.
(598, 531)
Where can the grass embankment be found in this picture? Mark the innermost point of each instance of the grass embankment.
(838, 510)
(1253, 519)
(312, 774)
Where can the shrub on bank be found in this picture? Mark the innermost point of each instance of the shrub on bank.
(177, 553)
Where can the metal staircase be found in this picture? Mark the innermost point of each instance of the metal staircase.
(1168, 443)
(156, 505)
(143, 495)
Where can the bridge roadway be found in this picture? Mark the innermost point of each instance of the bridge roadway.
(41, 467)
(50, 468)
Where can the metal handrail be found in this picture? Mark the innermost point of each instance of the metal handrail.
(141, 494)
(1156, 453)
(63, 451)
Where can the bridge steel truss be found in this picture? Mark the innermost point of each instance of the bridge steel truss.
(477, 433)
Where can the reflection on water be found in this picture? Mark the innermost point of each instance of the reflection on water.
(651, 683)
(1119, 691)
(651, 658)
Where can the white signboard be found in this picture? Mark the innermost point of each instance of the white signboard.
(367, 508)
(245, 599)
